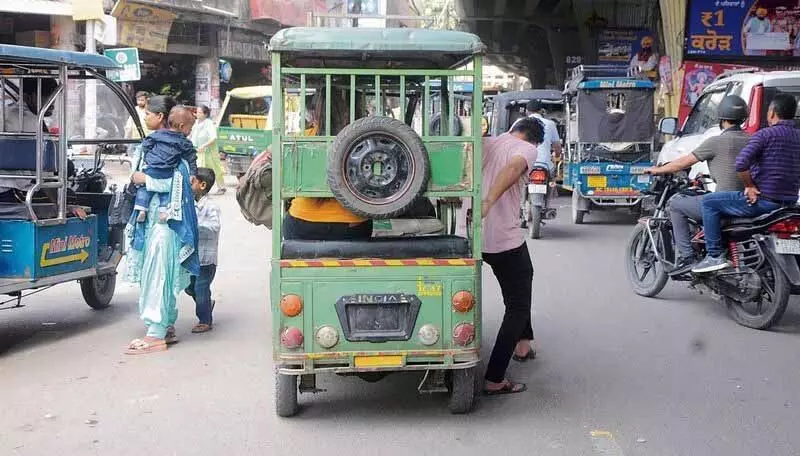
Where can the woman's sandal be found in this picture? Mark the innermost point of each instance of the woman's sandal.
(171, 337)
(143, 347)
(509, 387)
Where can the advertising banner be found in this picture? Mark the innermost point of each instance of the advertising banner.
(696, 76)
(743, 27)
(617, 47)
(286, 12)
(143, 27)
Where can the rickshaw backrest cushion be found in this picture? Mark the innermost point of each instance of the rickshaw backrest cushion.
(391, 248)
(19, 154)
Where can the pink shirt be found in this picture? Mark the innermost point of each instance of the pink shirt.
(501, 226)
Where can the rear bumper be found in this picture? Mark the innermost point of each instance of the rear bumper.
(344, 362)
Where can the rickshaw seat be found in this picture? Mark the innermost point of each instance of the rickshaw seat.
(19, 154)
(385, 248)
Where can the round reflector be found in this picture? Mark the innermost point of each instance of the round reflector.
(463, 301)
(291, 305)
(428, 334)
(291, 338)
(327, 336)
(464, 334)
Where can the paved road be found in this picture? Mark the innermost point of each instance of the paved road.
(618, 374)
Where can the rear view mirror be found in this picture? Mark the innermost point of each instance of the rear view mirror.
(668, 126)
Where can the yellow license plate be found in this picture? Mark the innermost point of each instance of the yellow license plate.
(379, 361)
(597, 181)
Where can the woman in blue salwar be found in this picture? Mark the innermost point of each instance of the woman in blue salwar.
(164, 266)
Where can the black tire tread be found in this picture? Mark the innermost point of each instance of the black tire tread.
(90, 296)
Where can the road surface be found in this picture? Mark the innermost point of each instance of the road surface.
(617, 374)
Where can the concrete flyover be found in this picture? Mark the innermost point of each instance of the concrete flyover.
(536, 38)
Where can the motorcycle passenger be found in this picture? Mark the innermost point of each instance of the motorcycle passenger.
(551, 145)
(720, 152)
(769, 166)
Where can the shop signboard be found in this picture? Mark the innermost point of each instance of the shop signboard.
(141, 26)
(286, 12)
(696, 76)
(767, 28)
(128, 58)
(617, 47)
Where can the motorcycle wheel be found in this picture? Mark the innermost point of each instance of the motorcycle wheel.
(535, 222)
(777, 299)
(641, 263)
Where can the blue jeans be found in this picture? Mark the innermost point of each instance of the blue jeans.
(730, 205)
(200, 290)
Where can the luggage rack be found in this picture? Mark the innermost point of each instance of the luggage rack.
(590, 72)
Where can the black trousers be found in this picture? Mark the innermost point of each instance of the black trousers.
(294, 228)
(514, 272)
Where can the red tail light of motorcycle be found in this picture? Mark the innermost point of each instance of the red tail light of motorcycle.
(786, 228)
(538, 176)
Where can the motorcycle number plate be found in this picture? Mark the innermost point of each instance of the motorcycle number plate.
(787, 246)
(537, 188)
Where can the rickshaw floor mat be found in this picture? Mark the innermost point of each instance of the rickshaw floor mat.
(383, 248)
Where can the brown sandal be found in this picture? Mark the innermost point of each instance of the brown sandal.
(201, 328)
(143, 347)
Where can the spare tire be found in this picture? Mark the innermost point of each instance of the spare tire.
(436, 126)
(377, 167)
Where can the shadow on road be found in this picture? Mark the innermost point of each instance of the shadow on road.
(46, 319)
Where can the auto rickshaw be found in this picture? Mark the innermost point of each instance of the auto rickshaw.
(43, 244)
(389, 304)
(610, 139)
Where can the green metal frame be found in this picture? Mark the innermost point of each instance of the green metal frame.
(309, 155)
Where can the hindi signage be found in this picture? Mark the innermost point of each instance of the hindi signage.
(743, 27)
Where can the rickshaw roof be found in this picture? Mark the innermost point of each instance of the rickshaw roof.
(25, 54)
(251, 92)
(545, 95)
(446, 47)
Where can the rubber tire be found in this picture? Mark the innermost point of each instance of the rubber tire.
(535, 224)
(99, 298)
(462, 390)
(286, 395)
(658, 284)
(435, 128)
(403, 134)
(577, 215)
(782, 293)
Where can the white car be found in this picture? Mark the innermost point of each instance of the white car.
(756, 87)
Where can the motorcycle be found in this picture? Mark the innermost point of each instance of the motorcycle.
(763, 253)
(536, 207)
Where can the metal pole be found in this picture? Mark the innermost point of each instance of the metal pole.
(90, 101)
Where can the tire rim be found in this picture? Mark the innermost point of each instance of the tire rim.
(643, 261)
(765, 303)
(378, 169)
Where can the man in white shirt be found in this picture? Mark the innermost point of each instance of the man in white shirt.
(551, 145)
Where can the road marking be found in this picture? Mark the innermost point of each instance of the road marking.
(603, 443)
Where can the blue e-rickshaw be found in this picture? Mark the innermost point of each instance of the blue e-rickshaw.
(610, 139)
(41, 242)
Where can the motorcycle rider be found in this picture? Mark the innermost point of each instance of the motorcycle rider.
(720, 152)
(769, 166)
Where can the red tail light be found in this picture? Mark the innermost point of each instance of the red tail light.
(291, 338)
(756, 102)
(538, 176)
(785, 228)
(464, 334)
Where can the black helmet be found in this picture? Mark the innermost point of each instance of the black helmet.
(732, 108)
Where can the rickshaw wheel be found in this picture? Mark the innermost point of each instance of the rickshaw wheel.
(378, 167)
(456, 128)
(97, 291)
(577, 214)
(462, 390)
(285, 395)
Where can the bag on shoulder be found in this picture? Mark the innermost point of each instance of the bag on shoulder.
(121, 207)
(254, 194)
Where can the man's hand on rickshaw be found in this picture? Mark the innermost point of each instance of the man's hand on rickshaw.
(653, 170)
(79, 212)
(139, 178)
